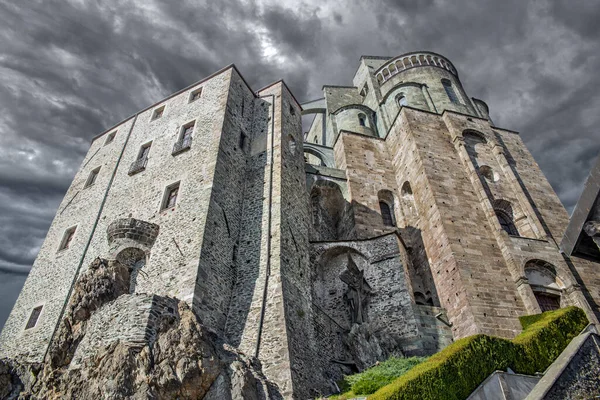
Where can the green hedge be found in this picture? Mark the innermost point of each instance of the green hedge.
(456, 371)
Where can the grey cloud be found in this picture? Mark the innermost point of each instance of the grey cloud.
(69, 69)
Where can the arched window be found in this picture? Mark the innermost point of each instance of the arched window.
(505, 215)
(450, 91)
(506, 223)
(362, 119)
(401, 100)
(135, 260)
(386, 214)
(386, 207)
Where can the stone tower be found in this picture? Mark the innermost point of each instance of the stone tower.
(401, 220)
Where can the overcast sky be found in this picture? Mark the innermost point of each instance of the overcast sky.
(70, 69)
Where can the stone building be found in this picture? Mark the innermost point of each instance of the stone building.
(401, 220)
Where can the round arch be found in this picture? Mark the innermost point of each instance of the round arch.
(134, 259)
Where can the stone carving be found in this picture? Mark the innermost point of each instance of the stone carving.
(358, 292)
(592, 228)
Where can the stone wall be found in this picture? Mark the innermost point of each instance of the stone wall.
(130, 320)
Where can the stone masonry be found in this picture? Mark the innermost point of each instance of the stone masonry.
(402, 219)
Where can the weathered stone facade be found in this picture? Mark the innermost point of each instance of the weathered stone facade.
(403, 219)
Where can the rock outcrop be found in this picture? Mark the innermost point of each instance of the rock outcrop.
(177, 356)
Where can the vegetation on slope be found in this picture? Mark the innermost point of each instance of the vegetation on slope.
(456, 371)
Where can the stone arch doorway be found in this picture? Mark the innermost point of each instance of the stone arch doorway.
(546, 286)
(134, 259)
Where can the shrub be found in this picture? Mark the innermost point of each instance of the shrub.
(370, 380)
(456, 371)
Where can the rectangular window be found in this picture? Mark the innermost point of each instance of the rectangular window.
(33, 318)
(110, 137)
(186, 131)
(170, 198)
(92, 178)
(195, 95)
(143, 154)
(142, 159)
(185, 139)
(158, 113)
(67, 238)
(450, 91)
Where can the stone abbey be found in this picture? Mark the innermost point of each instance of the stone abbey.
(403, 219)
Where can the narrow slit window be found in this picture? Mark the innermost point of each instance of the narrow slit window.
(242, 141)
(92, 178)
(158, 113)
(67, 238)
(33, 317)
(362, 119)
(171, 194)
(195, 95)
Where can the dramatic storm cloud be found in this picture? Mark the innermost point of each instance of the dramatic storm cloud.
(69, 69)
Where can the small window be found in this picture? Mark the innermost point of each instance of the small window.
(67, 238)
(186, 131)
(170, 198)
(292, 110)
(315, 140)
(386, 214)
(33, 318)
(362, 119)
(92, 178)
(450, 91)
(401, 100)
(158, 113)
(364, 91)
(195, 95)
(110, 137)
(144, 151)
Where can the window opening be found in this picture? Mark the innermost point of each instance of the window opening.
(110, 137)
(33, 318)
(450, 91)
(195, 95)
(386, 214)
(158, 113)
(171, 196)
(92, 178)
(362, 119)
(67, 238)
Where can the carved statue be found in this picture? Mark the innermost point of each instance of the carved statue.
(358, 292)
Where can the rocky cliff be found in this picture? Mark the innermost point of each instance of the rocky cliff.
(115, 345)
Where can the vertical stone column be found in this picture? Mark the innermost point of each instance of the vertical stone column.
(528, 296)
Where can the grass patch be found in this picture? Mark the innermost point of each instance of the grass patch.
(370, 380)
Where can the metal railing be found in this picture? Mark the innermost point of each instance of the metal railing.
(182, 144)
(138, 165)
